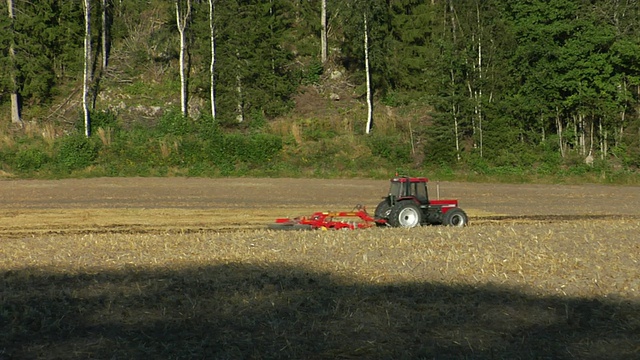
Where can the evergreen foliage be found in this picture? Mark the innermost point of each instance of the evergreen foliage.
(510, 86)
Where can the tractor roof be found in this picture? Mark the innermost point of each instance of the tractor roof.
(404, 179)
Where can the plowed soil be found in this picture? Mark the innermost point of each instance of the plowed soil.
(185, 268)
(135, 205)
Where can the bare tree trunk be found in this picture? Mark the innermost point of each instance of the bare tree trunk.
(583, 135)
(368, 73)
(543, 132)
(480, 76)
(105, 34)
(619, 130)
(87, 67)
(604, 141)
(454, 107)
(212, 68)
(323, 31)
(16, 117)
(577, 127)
(454, 113)
(560, 132)
(240, 107)
(182, 18)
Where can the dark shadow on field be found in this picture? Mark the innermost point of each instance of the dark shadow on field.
(241, 311)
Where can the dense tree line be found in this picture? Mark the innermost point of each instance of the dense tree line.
(504, 78)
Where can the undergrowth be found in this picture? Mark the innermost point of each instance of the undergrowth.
(324, 148)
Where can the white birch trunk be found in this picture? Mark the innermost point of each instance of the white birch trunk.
(16, 117)
(603, 139)
(182, 17)
(454, 113)
(212, 67)
(542, 131)
(105, 34)
(617, 136)
(583, 135)
(240, 107)
(87, 67)
(323, 31)
(477, 94)
(560, 133)
(240, 110)
(454, 107)
(368, 73)
(579, 138)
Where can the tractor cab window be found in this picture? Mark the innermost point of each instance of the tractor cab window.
(419, 190)
(396, 189)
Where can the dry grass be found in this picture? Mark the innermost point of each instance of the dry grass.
(105, 136)
(183, 268)
(537, 290)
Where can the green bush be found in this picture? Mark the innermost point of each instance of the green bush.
(30, 159)
(191, 151)
(318, 131)
(262, 148)
(97, 119)
(173, 123)
(392, 148)
(206, 128)
(76, 152)
(103, 119)
(312, 73)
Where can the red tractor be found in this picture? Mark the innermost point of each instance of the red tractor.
(408, 205)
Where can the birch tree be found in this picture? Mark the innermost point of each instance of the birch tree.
(212, 67)
(364, 27)
(455, 107)
(323, 31)
(368, 76)
(474, 83)
(16, 117)
(105, 34)
(87, 67)
(183, 14)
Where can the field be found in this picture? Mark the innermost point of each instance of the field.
(184, 268)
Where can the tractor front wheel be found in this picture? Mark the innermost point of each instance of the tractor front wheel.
(382, 210)
(455, 217)
(405, 214)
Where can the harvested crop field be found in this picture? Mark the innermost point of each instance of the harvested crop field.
(177, 268)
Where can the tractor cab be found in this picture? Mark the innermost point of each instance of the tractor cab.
(403, 188)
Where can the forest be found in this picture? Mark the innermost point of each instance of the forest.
(509, 90)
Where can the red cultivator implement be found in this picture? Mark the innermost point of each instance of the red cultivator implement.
(328, 220)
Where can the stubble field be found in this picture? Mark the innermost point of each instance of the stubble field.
(185, 268)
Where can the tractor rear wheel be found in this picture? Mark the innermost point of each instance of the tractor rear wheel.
(405, 214)
(455, 217)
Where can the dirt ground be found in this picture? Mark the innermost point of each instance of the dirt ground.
(134, 205)
(184, 268)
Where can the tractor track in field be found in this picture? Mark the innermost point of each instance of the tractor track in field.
(549, 218)
(143, 229)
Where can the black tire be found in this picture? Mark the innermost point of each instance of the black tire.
(382, 210)
(455, 217)
(405, 214)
